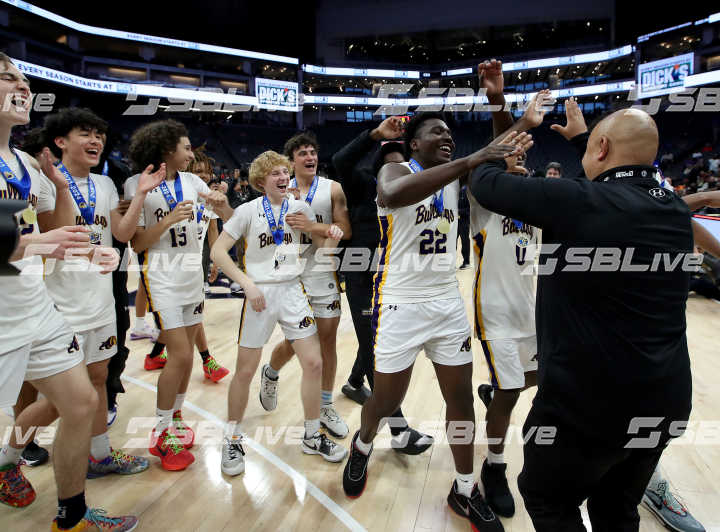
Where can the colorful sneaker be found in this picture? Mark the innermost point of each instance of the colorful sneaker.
(146, 331)
(172, 453)
(355, 474)
(95, 520)
(475, 510)
(214, 371)
(15, 489)
(324, 446)
(331, 420)
(157, 362)
(33, 455)
(268, 390)
(185, 434)
(233, 457)
(671, 511)
(118, 462)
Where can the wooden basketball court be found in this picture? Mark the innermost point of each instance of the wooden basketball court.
(284, 489)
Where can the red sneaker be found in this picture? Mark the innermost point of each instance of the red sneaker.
(157, 362)
(214, 371)
(184, 433)
(15, 489)
(172, 453)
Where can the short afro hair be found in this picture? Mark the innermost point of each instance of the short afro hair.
(34, 141)
(151, 143)
(306, 138)
(386, 148)
(60, 124)
(263, 164)
(414, 125)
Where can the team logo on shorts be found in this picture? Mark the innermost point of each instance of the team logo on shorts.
(199, 308)
(74, 345)
(306, 322)
(335, 305)
(109, 343)
(466, 345)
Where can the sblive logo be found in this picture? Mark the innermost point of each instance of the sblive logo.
(306, 322)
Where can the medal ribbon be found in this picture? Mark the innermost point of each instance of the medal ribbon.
(22, 186)
(200, 213)
(311, 192)
(437, 199)
(87, 210)
(172, 202)
(277, 230)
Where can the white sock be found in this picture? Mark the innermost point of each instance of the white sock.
(311, 427)
(139, 322)
(233, 430)
(363, 447)
(493, 458)
(165, 420)
(179, 399)
(465, 483)
(655, 480)
(10, 455)
(100, 446)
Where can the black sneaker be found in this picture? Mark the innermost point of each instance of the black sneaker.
(412, 442)
(355, 474)
(475, 509)
(485, 392)
(34, 455)
(359, 395)
(496, 489)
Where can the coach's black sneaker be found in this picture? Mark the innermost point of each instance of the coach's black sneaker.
(355, 474)
(485, 392)
(496, 488)
(359, 395)
(34, 455)
(475, 509)
(411, 442)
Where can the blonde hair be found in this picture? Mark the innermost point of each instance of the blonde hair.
(263, 165)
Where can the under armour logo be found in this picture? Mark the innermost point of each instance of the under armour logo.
(657, 193)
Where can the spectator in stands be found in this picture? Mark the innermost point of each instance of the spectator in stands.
(553, 169)
(714, 165)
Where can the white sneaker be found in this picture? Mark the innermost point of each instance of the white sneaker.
(268, 390)
(235, 288)
(146, 331)
(206, 288)
(331, 420)
(233, 457)
(324, 446)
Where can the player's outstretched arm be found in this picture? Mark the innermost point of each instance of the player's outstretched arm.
(702, 199)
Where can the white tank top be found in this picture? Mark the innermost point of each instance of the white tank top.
(321, 207)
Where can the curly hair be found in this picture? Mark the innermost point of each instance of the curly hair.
(151, 143)
(263, 164)
(414, 125)
(306, 138)
(60, 124)
(201, 159)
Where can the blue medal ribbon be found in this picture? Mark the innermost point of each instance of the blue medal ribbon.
(311, 193)
(22, 185)
(200, 213)
(87, 209)
(105, 168)
(277, 230)
(437, 199)
(172, 202)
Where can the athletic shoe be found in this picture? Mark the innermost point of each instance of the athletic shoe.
(412, 442)
(324, 446)
(464, 266)
(359, 395)
(233, 457)
(268, 390)
(95, 520)
(157, 362)
(485, 392)
(671, 511)
(15, 489)
(331, 420)
(185, 434)
(206, 288)
(33, 455)
(214, 371)
(146, 331)
(235, 288)
(475, 509)
(355, 474)
(112, 415)
(118, 462)
(496, 487)
(173, 455)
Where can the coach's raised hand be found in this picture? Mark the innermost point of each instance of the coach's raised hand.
(575, 121)
(540, 104)
(390, 128)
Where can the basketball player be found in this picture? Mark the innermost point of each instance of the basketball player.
(422, 308)
(329, 206)
(274, 293)
(38, 345)
(167, 231)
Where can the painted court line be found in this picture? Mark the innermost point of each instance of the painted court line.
(298, 479)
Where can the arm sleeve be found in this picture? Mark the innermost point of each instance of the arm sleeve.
(350, 156)
(238, 223)
(539, 202)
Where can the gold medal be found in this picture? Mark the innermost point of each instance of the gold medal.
(29, 216)
(443, 226)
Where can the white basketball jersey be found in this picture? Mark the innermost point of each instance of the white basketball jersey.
(264, 261)
(416, 261)
(85, 297)
(504, 286)
(24, 300)
(172, 266)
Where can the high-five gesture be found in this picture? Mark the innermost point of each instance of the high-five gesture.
(148, 180)
(522, 142)
(540, 104)
(575, 121)
(491, 77)
(390, 128)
